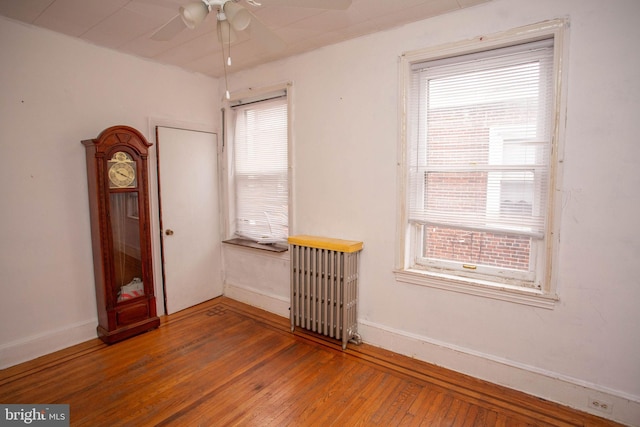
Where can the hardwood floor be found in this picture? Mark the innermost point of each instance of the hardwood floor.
(225, 363)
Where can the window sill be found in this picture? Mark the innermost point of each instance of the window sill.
(531, 297)
(274, 247)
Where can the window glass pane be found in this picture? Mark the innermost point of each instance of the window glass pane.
(477, 248)
(261, 139)
(261, 171)
(478, 158)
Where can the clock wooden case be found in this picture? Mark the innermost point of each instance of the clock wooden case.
(121, 234)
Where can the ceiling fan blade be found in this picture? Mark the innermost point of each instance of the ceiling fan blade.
(263, 35)
(169, 30)
(317, 4)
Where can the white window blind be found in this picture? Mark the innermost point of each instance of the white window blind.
(261, 170)
(480, 129)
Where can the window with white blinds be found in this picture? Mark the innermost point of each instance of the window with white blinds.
(479, 139)
(260, 175)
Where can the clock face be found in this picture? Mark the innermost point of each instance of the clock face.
(122, 172)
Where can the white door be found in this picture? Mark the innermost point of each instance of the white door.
(189, 216)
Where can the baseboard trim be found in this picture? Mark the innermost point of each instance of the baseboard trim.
(272, 303)
(34, 346)
(572, 392)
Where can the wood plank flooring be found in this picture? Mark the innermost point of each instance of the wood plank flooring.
(224, 363)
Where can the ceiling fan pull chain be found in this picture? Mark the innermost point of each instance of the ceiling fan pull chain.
(229, 46)
(224, 65)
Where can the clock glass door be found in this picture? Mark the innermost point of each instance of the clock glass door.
(126, 246)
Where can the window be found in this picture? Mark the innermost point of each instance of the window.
(480, 163)
(260, 182)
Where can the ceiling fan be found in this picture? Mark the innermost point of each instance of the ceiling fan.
(232, 16)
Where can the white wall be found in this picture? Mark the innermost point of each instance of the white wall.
(55, 92)
(345, 137)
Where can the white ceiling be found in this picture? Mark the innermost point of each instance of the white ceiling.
(127, 25)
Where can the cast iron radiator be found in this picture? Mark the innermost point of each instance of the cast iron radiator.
(324, 286)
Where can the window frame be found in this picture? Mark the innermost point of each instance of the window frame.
(228, 170)
(477, 284)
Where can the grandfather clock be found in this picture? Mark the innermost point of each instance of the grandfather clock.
(121, 233)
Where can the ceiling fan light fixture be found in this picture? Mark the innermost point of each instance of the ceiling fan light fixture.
(238, 16)
(193, 14)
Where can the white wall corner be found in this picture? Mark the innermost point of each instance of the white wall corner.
(272, 303)
(551, 386)
(29, 348)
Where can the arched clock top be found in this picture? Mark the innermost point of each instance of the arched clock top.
(120, 135)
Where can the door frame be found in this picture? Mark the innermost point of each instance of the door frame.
(154, 196)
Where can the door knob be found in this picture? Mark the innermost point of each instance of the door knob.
(169, 232)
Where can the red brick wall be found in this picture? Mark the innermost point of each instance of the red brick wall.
(477, 247)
